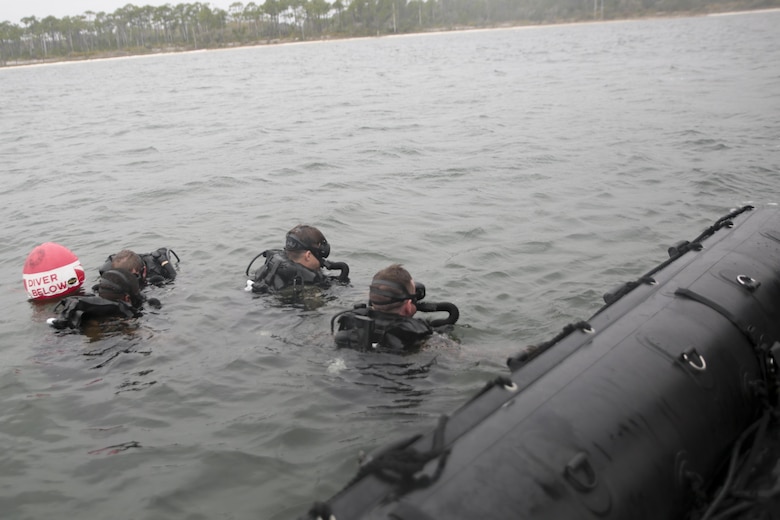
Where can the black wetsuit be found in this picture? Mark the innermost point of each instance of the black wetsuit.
(280, 272)
(76, 309)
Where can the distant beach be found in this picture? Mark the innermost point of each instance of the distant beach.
(503, 27)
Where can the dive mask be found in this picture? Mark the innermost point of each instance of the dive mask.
(398, 295)
(293, 243)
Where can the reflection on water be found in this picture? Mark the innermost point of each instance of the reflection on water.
(400, 380)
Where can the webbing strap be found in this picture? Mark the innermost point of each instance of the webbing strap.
(399, 465)
(749, 331)
(766, 350)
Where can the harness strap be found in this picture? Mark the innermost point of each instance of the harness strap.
(268, 278)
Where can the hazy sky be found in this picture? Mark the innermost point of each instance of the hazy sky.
(14, 10)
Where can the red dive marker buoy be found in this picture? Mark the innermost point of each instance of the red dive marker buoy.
(52, 271)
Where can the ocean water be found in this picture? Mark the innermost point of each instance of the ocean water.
(519, 173)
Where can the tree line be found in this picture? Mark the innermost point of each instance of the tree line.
(147, 29)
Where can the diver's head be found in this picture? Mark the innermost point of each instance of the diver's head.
(130, 261)
(120, 285)
(306, 245)
(394, 291)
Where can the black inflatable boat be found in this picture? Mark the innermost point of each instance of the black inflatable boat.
(661, 406)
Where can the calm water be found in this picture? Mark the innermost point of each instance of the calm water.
(518, 173)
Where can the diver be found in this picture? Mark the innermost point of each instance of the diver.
(299, 264)
(118, 295)
(387, 323)
(153, 268)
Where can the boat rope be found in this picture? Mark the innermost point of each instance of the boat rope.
(725, 221)
(696, 484)
(531, 351)
(734, 482)
(626, 288)
(502, 381)
(399, 464)
(675, 252)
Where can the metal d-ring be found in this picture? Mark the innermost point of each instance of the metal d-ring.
(749, 283)
(686, 356)
(580, 473)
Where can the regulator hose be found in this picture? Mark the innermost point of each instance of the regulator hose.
(449, 308)
(338, 266)
(253, 261)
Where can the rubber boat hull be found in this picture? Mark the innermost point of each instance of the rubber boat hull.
(632, 414)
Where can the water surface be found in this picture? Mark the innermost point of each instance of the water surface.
(519, 173)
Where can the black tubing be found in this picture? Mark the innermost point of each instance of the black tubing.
(449, 308)
(253, 261)
(337, 266)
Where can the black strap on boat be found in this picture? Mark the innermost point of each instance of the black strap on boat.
(765, 349)
(749, 331)
(398, 465)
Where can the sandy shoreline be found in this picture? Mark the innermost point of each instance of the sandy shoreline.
(66, 61)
